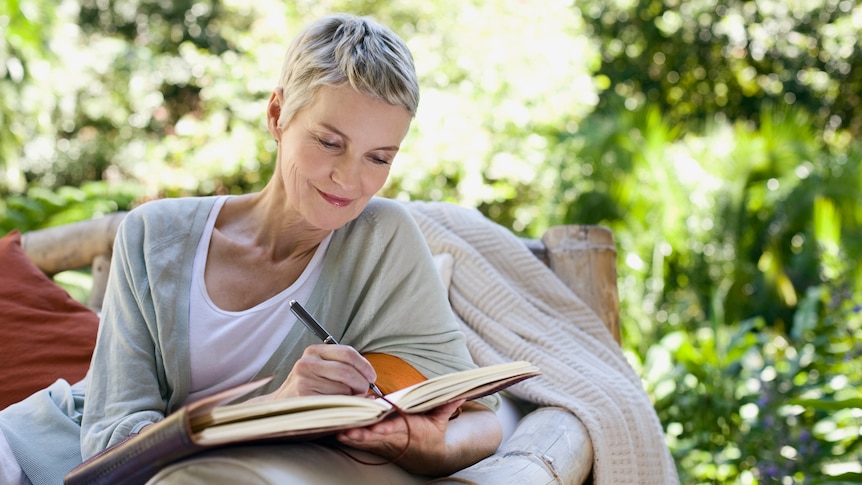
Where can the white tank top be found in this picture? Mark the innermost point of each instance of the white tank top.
(229, 348)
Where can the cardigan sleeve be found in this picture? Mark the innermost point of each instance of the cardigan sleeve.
(122, 398)
(139, 371)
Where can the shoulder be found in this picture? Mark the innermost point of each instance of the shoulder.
(177, 208)
(385, 210)
(384, 225)
(161, 220)
(384, 219)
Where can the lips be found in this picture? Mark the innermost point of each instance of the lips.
(335, 200)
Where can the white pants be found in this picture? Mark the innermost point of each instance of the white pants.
(283, 464)
(299, 464)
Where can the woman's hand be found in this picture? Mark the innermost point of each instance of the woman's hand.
(436, 445)
(326, 369)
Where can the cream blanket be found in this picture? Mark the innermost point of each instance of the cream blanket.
(515, 308)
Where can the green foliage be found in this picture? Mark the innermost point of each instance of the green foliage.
(163, 26)
(750, 404)
(729, 211)
(40, 207)
(719, 140)
(138, 91)
(22, 48)
(698, 58)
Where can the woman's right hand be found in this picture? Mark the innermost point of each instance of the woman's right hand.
(326, 369)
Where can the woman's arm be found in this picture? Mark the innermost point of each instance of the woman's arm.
(139, 372)
(436, 445)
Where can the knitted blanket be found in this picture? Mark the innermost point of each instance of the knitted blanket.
(513, 307)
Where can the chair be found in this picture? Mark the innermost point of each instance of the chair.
(550, 445)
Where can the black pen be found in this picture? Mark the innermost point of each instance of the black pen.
(317, 329)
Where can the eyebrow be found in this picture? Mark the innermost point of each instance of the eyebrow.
(343, 135)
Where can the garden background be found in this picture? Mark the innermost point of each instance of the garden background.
(718, 139)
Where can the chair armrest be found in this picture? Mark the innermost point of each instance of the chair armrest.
(550, 445)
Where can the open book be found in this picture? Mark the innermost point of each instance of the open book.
(210, 423)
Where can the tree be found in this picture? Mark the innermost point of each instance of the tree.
(24, 49)
(699, 59)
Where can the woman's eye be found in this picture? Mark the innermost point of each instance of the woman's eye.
(327, 144)
(380, 160)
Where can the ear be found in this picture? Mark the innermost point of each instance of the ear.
(273, 111)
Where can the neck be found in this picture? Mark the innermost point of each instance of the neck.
(264, 221)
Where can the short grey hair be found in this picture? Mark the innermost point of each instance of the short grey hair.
(344, 48)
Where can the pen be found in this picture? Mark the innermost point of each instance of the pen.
(317, 329)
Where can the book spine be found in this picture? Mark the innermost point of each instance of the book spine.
(138, 458)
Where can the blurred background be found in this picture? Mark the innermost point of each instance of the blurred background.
(720, 140)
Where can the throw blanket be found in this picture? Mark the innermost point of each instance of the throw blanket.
(513, 307)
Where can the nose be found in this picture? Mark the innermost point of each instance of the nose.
(346, 172)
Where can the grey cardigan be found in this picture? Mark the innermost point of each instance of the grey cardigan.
(378, 291)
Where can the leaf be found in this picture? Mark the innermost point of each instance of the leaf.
(807, 314)
(850, 477)
(829, 404)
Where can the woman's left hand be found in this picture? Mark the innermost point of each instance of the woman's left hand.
(435, 444)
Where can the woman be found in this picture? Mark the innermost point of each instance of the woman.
(199, 290)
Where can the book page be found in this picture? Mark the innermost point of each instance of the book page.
(306, 414)
(255, 410)
(287, 416)
(439, 390)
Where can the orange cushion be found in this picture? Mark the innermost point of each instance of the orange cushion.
(393, 373)
(45, 334)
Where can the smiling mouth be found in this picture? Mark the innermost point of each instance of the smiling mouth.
(336, 201)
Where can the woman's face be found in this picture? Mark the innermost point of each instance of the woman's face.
(335, 153)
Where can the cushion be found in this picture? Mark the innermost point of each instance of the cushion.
(45, 334)
(393, 373)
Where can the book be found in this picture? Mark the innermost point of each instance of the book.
(213, 423)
